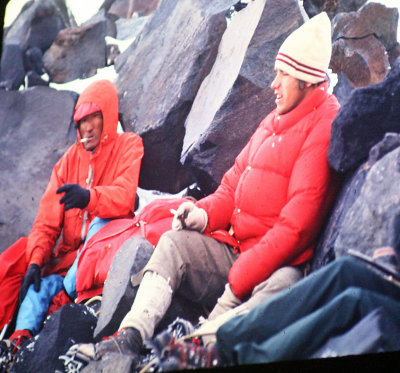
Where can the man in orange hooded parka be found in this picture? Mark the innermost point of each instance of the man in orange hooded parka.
(96, 177)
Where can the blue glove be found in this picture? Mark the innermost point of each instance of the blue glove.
(32, 276)
(75, 196)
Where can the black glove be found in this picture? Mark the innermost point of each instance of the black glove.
(75, 196)
(32, 276)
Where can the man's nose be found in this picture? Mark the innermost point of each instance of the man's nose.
(89, 125)
(274, 84)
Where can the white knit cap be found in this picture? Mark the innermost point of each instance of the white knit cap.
(306, 52)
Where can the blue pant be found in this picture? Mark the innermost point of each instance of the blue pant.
(35, 305)
(297, 321)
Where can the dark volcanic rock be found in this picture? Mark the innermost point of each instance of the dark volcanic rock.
(366, 213)
(78, 52)
(158, 78)
(324, 252)
(394, 53)
(363, 61)
(235, 97)
(73, 323)
(372, 19)
(126, 8)
(373, 221)
(38, 24)
(332, 7)
(12, 71)
(145, 6)
(342, 89)
(119, 292)
(35, 29)
(363, 120)
(130, 28)
(362, 41)
(111, 363)
(35, 128)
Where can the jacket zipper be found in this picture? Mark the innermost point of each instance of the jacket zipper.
(85, 213)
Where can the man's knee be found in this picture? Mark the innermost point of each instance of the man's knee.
(172, 242)
(345, 263)
(171, 256)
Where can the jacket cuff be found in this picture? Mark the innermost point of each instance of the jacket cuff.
(92, 201)
(36, 258)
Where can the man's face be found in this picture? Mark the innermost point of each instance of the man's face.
(287, 91)
(90, 128)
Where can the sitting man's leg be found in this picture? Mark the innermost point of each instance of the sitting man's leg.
(300, 340)
(282, 310)
(184, 262)
(35, 305)
(229, 305)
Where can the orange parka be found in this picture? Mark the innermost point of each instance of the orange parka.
(275, 196)
(111, 174)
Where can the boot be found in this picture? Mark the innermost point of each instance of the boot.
(10, 347)
(127, 341)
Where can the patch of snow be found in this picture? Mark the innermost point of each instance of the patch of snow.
(79, 85)
(122, 44)
(83, 10)
(146, 196)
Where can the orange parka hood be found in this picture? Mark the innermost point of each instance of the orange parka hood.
(104, 95)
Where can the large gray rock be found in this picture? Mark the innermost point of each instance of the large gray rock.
(366, 213)
(35, 130)
(38, 24)
(371, 19)
(158, 78)
(373, 221)
(12, 70)
(130, 28)
(362, 41)
(145, 6)
(236, 95)
(72, 323)
(119, 289)
(79, 51)
(126, 8)
(111, 363)
(363, 120)
(35, 28)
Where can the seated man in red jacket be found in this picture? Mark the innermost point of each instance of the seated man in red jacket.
(257, 231)
(96, 177)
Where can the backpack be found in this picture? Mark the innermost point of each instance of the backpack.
(95, 261)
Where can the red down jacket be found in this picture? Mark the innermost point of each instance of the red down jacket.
(277, 193)
(115, 166)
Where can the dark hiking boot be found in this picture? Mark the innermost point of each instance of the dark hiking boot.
(126, 341)
(10, 347)
(187, 355)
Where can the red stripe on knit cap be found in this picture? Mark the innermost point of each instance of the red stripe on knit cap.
(296, 64)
